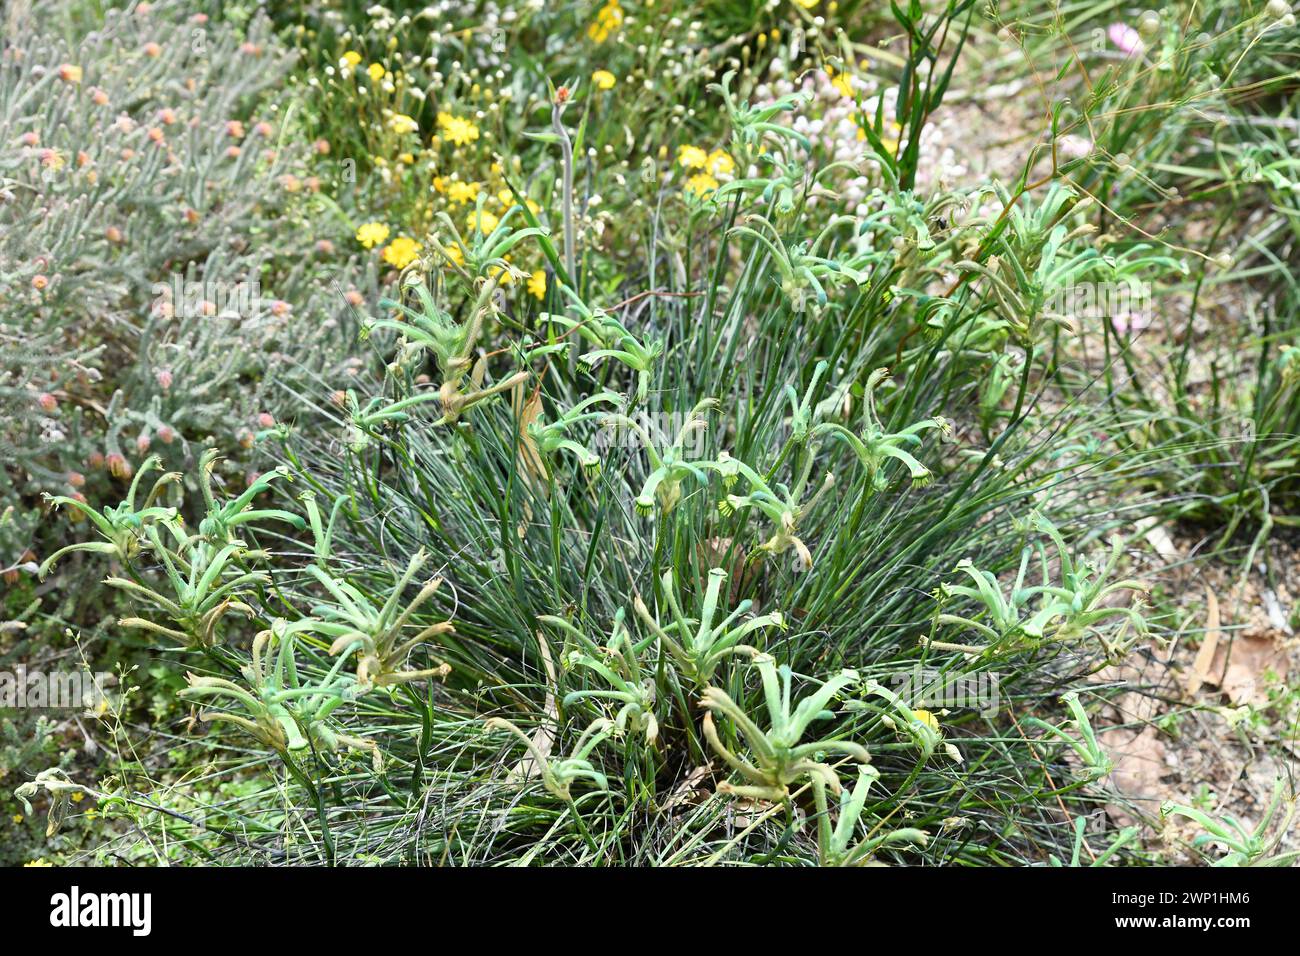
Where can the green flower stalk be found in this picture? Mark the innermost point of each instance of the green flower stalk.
(874, 446)
(835, 846)
(558, 776)
(221, 519)
(377, 634)
(617, 663)
(279, 710)
(779, 759)
(670, 467)
(122, 526)
(699, 645)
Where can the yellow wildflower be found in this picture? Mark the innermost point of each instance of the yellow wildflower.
(463, 192)
(69, 73)
(351, 58)
(701, 184)
(482, 220)
(806, 4)
(457, 129)
(39, 861)
(401, 123)
(377, 72)
(692, 157)
(721, 164)
(843, 82)
(455, 255)
(78, 797)
(537, 284)
(18, 817)
(608, 19)
(603, 79)
(401, 252)
(927, 718)
(440, 183)
(372, 234)
(407, 158)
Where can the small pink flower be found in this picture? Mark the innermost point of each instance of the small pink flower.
(324, 247)
(280, 307)
(98, 96)
(1125, 38)
(235, 128)
(232, 152)
(164, 377)
(354, 298)
(167, 116)
(76, 479)
(142, 443)
(152, 49)
(30, 139)
(167, 434)
(266, 420)
(40, 282)
(49, 404)
(322, 147)
(264, 129)
(113, 234)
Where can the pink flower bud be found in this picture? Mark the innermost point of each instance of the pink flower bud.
(49, 404)
(118, 466)
(152, 49)
(266, 420)
(164, 377)
(76, 479)
(40, 282)
(166, 434)
(142, 443)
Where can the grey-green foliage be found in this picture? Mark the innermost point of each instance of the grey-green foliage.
(142, 150)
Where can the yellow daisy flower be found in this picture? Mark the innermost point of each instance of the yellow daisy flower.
(537, 284)
(482, 220)
(401, 252)
(372, 234)
(701, 185)
(927, 718)
(692, 157)
(401, 123)
(608, 19)
(720, 163)
(377, 72)
(603, 79)
(463, 192)
(458, 130)
(351, 58)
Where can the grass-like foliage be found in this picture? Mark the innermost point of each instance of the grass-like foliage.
(780, 518)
